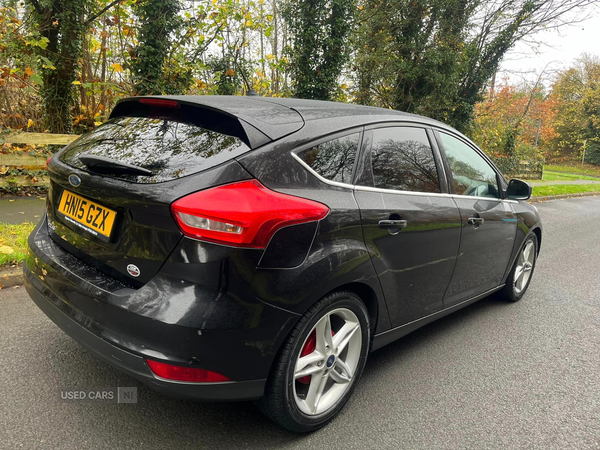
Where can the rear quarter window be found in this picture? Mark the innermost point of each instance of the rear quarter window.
(170, 149)
(333, 160)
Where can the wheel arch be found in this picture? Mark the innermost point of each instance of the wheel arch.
(368, 297)
(538, 232)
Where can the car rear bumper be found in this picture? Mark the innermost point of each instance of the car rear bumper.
(136, 365)
(125, 327)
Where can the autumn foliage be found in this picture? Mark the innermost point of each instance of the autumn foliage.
(512, 113)
(63, 72)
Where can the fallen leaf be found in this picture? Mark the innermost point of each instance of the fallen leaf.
(0, 287)
(11, 200)
(45, 272)
(6, 250)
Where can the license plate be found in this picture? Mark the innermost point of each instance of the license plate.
(87, 215)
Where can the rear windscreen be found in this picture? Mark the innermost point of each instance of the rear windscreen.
(169, 148)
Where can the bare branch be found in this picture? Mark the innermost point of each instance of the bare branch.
(102, 11)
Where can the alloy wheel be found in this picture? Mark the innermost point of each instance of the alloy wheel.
(328, 361)
(524, 267)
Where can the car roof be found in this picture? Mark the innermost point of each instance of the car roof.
(322, 110)
(276, 117)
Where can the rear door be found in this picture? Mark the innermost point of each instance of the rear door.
(410, 223)
(488, 222)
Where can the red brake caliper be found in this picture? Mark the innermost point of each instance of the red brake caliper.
(309, 347)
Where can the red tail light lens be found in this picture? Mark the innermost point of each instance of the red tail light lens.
(182, 373)
(243, 214)
(159, 102)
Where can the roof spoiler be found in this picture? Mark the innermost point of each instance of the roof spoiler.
(255, 121)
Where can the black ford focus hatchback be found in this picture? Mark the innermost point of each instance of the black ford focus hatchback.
(247, 248)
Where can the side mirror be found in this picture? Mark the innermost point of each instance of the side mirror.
(518, 190)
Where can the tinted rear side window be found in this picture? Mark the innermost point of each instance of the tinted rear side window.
(333, 160)
(170, 149)
(402, 159)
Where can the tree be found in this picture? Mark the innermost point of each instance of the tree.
(435, 57)
(577, 122)
(506, 122)
(72, 59)
(18, 97)
(60, 25)
(159, 22)
(319, 45)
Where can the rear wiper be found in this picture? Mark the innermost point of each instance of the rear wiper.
(101, 164)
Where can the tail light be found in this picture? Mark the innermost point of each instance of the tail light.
(182, 373)
(243, 214)
(161, 102)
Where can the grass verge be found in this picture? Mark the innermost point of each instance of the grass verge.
(560, 189)
(13, 243)
(586, 169)
(557, 176)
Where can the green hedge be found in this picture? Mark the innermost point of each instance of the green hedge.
(592, 154)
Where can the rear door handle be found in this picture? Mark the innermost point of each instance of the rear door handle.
(475, 221)
(390, 224)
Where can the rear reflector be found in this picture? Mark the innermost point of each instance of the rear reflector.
(159, 102)
(243, 214)
(182, 373)
(48, 161)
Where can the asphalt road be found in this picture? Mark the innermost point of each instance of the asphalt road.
(494, 375)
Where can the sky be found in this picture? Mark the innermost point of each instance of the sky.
(559, 50)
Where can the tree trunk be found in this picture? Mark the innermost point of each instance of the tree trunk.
(275, 72)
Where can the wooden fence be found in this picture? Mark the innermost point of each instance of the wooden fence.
(19, 161)
(528, 171)
(516, 167)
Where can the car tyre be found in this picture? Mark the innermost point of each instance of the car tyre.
(522, 271)
(304, 403)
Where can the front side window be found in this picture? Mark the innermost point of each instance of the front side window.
(333, 160)
(471, 172)
(403, 160)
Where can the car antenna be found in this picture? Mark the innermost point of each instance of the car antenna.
(249, 91)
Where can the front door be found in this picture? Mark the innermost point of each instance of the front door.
(488, 222)
(411, 227)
